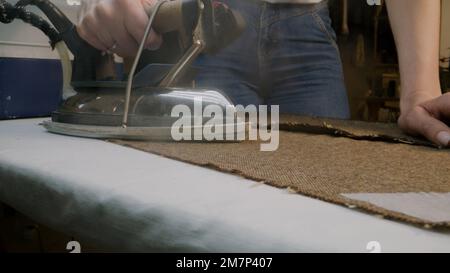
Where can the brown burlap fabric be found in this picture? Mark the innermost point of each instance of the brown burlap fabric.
(365, 158)
(358, 130)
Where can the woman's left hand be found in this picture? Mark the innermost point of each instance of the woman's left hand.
(428, 119)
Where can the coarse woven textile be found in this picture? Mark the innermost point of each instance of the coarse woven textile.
(329, 160)
(354, 129)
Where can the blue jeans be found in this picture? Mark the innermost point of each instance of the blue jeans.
(287, 56)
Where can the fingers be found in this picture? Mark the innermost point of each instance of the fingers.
(155, 40)
(118, 26)
(439, 107)
(112, 29)
(104, 13)
(435, 130)
(420, 121)
(86, 31)
(137, 24)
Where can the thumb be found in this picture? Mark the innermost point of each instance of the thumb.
(436, 131)
(439, 110)
(421, 121)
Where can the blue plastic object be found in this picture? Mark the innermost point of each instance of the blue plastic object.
(29, 87)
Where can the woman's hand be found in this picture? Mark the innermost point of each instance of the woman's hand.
(118, 26)
(428, 119)
(424, 110)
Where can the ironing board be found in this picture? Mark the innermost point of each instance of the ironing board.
(127, 200)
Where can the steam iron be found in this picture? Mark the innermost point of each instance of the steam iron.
(141, 107)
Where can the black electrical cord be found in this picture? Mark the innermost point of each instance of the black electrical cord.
(9, 13)
(65, 27)
(53, 13)
(60, 29)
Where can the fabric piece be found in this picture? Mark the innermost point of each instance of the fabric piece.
(354, 129)
(434, 207)
(324, 166)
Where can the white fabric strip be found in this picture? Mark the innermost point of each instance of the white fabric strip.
(433, 207)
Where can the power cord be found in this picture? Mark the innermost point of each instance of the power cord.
(8, 13)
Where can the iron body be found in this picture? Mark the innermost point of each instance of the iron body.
(97, 112)
(140, 108)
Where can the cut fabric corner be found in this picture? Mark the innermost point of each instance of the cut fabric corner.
(429, 206)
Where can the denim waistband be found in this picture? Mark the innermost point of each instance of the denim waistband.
(265, 13)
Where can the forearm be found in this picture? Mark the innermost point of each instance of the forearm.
(416, 27)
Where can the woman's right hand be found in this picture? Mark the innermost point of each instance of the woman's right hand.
(118, 26)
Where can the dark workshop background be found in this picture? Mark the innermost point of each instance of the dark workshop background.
(370, 59)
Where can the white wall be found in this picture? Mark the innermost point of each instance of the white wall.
(445, 29)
